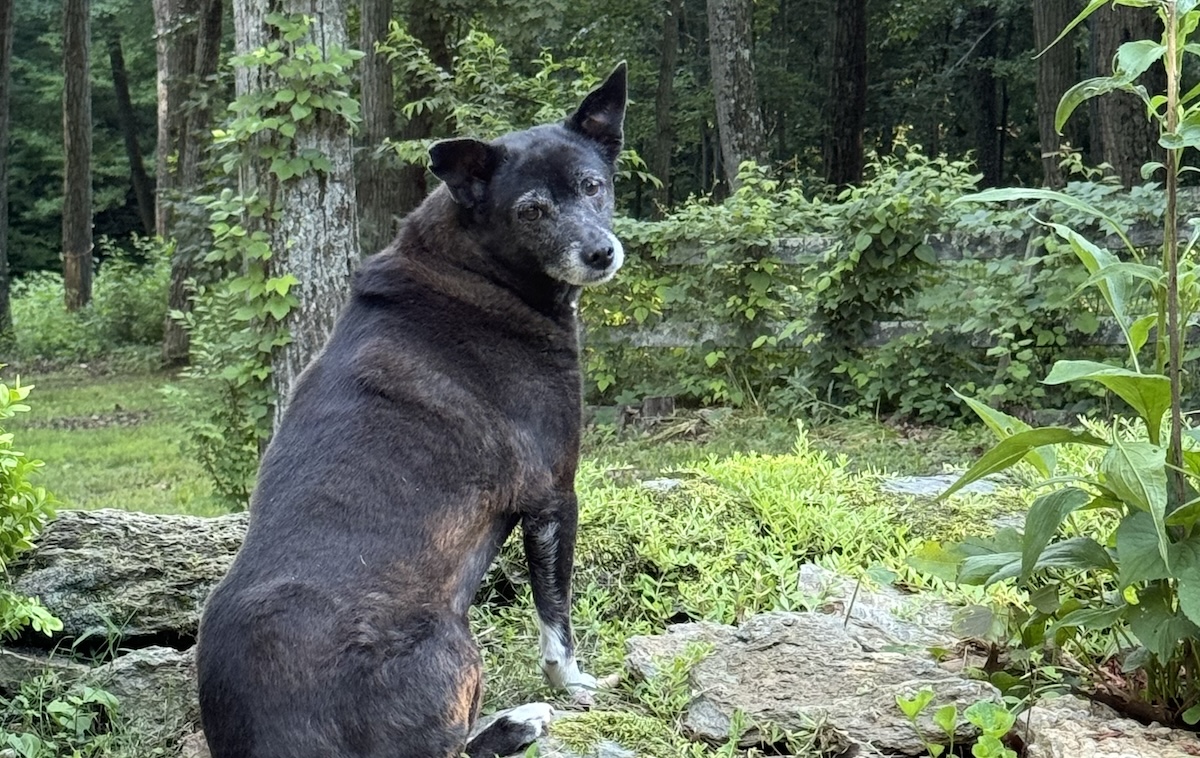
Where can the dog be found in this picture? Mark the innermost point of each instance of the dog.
(444, 411)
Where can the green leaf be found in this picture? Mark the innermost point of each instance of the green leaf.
(1091, 618)
(936, 560)
(1007, 194)
(992, 719)
(1134, 58)
(1081, 92)
(1137, 550)
(1136, 472)
(1191, 716)
(1156, 624)
(946, 718)
(1005, 426)
(1042, 521)
(1114, 286)
(912, 707)
(1139, 331)
(1009, 451)
(1148, 394)
(1188, 591)
(1089, 10)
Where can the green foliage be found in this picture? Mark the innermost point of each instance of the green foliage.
(226, 412)
(125, 317)
(1110, 559)
(24, 510)
(993, 721)
(48, 719)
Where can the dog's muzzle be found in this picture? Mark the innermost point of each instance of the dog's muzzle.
(602, 259)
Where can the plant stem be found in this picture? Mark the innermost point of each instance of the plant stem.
(1171, 257)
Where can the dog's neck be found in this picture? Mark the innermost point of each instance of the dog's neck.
(435, 237)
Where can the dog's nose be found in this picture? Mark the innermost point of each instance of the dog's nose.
(600, 258)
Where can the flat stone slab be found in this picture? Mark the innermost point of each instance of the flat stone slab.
(803, 673)
(1071, 727)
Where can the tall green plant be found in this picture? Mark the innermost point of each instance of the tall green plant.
(1140, 557)
(24, 510)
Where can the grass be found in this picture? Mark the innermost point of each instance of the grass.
(756, 498)
(108, 442)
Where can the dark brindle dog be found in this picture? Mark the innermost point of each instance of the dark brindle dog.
(444, 411)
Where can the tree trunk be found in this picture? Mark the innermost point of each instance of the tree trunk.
(848, 94)
(988, 126)
(128, 123)
(77, 147)
(431, 25)
(6, 44)
(1055, 75)
(664, 143)
(739, 117)
(189, 46)
(1128, 139)
(312, 220)
(379, 178)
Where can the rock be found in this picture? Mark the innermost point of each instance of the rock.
(17, 668)
(551, 747)
(882, 618)
(804, 673)
(156, 691)
(662, 485)
(1071, 727)
(136, 573)
(932, 486)
(194, 746)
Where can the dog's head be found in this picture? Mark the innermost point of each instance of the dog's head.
(542, 199)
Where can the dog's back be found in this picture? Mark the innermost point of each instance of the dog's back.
(444, 409)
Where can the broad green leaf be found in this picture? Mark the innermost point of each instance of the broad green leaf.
(1188, 591)
(992, 719)
(1133, 58)
(1075, 554)
(1083, 91)
(1114, 287)
(1042, 522)
(1009, 451)
(946, 718)
(1139, 557)
(1091, 618)
(1148, 394)
(935, 560)
(1139, 331)
(1185, 515)
(981, 569)
(1005, 426)
(1136, 472)
(912, 707)
(1156, 623)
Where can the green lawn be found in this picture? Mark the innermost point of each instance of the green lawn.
(108, 442)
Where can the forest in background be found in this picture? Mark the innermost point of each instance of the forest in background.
(832, 80)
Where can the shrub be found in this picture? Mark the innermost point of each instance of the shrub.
(24, 510)
(129, 304)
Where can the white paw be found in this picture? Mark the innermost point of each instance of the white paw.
(583, 689)
(535, 716)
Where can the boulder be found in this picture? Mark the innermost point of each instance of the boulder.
(19, 667)
(109, 572)
(880, 618)
(1071, 727)
(155, 689)
(804, 673)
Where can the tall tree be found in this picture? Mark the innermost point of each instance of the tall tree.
(311, 219)
(77, 146)
(379, 179)
(432, 25)
(6, 44)
(664, 143)
(1128, 139)
(739, 117)
(847, 94)
(143, 193)
(188, 46)
(1055, 75)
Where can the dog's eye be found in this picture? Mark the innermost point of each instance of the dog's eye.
(530, 213)
(591, 186)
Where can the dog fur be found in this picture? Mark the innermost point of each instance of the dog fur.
(443, 412)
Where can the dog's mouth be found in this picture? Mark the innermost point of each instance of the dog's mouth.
(596, 264)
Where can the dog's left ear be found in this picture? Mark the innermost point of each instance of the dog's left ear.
(601, 117)
(466, 166)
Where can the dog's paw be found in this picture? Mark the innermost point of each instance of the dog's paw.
(535, 717)
(583, 690)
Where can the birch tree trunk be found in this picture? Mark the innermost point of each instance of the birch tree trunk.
(739, 117)
(77, 147)
(312, 218)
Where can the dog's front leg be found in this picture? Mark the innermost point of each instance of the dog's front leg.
(549, 533)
